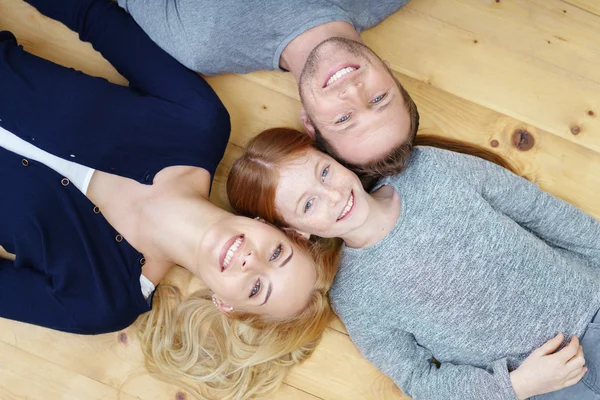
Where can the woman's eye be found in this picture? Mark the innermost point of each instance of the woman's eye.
(255, 289)
(277, 253)
(378, 99)
(343, 119)
(324, 173)
(308, 205)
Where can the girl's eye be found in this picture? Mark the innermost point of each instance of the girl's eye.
(378, 99)
(324, 173)
(343, 119)
(255, 289)
(277, 253)
(308, 205)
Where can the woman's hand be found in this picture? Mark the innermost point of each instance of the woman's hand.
(545, 371)
(6, 255)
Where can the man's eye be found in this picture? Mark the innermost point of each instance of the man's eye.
(324, 173)
(308, 205)
(277, 253)
(378, 99)
(343, 119)
(255, 289)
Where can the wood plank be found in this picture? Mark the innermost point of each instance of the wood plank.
(112, 361)
(337, 371)
(550, 31)
(459, 62)
(23, 376)
(591, 6)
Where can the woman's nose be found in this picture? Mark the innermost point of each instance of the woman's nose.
(250, 261)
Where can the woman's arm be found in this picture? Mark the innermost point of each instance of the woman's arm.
(28, 295)
(124, 44)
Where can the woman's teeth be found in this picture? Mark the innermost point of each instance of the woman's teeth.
(231, 252)
(339, 74)
(348, 207)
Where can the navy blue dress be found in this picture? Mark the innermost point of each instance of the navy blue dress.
(73, 271)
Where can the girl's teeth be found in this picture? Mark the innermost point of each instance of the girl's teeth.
(348, 207)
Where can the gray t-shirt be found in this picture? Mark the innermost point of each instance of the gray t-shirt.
(215, 37)
(481, 268)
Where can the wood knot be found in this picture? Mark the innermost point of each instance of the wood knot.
(475, 41)
(575, 130)
(522, 140)
(180, 396)
(122, 338)
(494, 143)
(264, 107)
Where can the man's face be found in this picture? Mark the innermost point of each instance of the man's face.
(352, 99)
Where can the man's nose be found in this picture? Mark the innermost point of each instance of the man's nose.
(354, 90)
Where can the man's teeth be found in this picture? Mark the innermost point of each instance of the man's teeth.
(339, 74)
(348, 207)
(231, 252)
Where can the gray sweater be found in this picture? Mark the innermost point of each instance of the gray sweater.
(214, 37)
(481, 268)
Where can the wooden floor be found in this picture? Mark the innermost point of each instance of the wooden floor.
(504, 74)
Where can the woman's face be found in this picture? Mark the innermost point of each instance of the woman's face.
(317, 195)
(255, 268)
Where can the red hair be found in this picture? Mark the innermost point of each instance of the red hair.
(253, 179)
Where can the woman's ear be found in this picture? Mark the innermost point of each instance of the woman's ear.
(310, 129)
(297, 233)
(222, 306)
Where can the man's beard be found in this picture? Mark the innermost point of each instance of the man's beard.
(310, 67)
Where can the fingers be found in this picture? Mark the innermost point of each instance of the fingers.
(577, 361)
(570, 350)
(577, 378)
(550, 346)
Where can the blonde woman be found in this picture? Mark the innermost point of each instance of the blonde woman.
(85, 244)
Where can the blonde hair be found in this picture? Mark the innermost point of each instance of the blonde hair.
(190, 343)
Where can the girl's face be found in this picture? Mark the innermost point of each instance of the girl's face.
(255, 268)
(317, 195)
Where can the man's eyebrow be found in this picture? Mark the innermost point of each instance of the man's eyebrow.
(269, 291)
(347, 127)
(383, 107)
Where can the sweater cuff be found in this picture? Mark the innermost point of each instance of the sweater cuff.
(500, 369)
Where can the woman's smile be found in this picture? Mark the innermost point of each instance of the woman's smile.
(230, 251)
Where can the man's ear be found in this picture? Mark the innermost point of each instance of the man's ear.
(297, 233)
(222, 306)
(310, 129)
